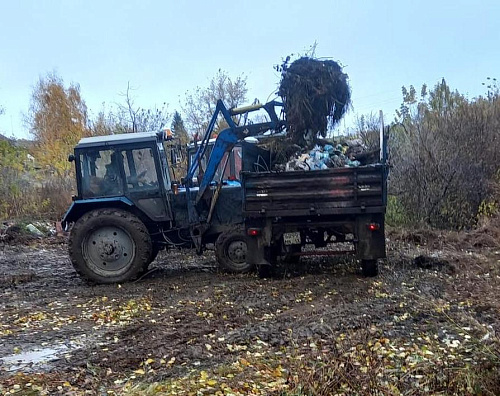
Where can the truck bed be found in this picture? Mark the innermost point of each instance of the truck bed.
(317, 192)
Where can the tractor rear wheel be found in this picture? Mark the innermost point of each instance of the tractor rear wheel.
(231, 251)
(110, 246)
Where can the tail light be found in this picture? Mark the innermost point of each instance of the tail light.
(254, 231)
(373, 226)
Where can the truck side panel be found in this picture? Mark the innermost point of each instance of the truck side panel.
(320, 192)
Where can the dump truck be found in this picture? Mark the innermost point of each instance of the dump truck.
(129, 206)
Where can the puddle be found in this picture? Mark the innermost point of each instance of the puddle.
(36, 358)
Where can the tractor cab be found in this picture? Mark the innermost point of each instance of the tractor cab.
(126, 167)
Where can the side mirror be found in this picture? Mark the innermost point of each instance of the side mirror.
(71, 157)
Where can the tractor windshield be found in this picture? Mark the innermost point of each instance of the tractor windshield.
(110, 173)
(100, 173)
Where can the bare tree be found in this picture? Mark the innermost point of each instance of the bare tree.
(104, 124)
(367, 127)
(141, 119)
(199, 105)
(128, 117)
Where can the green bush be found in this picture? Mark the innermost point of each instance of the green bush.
(396, 214)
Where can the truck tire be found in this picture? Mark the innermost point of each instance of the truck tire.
(369, 268)
(109, 246)
(231, 250)
(289, 256)
(265, 271)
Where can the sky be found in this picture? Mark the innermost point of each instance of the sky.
(165, 48)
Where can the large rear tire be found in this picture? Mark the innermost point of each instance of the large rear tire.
(110, 246)
(231, 251)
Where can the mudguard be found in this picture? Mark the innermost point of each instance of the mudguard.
(82, 206)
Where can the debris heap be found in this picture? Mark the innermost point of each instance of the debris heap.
(348, 153)
(315, 95)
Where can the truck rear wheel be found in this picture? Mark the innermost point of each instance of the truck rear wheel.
(265, 271)
(231, 251)
(109, 246)
(290, 257)
(369, 268)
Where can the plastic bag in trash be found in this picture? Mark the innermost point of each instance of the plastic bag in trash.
(325, 157)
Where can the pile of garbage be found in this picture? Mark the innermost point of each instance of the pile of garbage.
(350, 153)
(21, 232)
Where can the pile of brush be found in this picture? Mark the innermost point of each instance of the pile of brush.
(315, 95)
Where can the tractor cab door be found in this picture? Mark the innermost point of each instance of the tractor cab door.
(147, 182)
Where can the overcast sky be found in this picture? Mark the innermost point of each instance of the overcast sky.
(164, 48)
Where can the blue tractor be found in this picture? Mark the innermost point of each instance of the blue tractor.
(129, 206)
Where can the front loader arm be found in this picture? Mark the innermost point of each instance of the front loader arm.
(225, 142)
(234, 133)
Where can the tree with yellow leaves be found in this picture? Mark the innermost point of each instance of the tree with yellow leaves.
(58, 120)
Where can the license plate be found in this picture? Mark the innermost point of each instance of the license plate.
(292, 238)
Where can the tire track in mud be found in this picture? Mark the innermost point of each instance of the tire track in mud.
(185, 315)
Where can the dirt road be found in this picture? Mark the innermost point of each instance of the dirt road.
(420, 326)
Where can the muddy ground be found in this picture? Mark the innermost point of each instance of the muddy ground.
(428, 323)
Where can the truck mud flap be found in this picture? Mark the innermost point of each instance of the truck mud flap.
(256, 251)
(370, 237)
